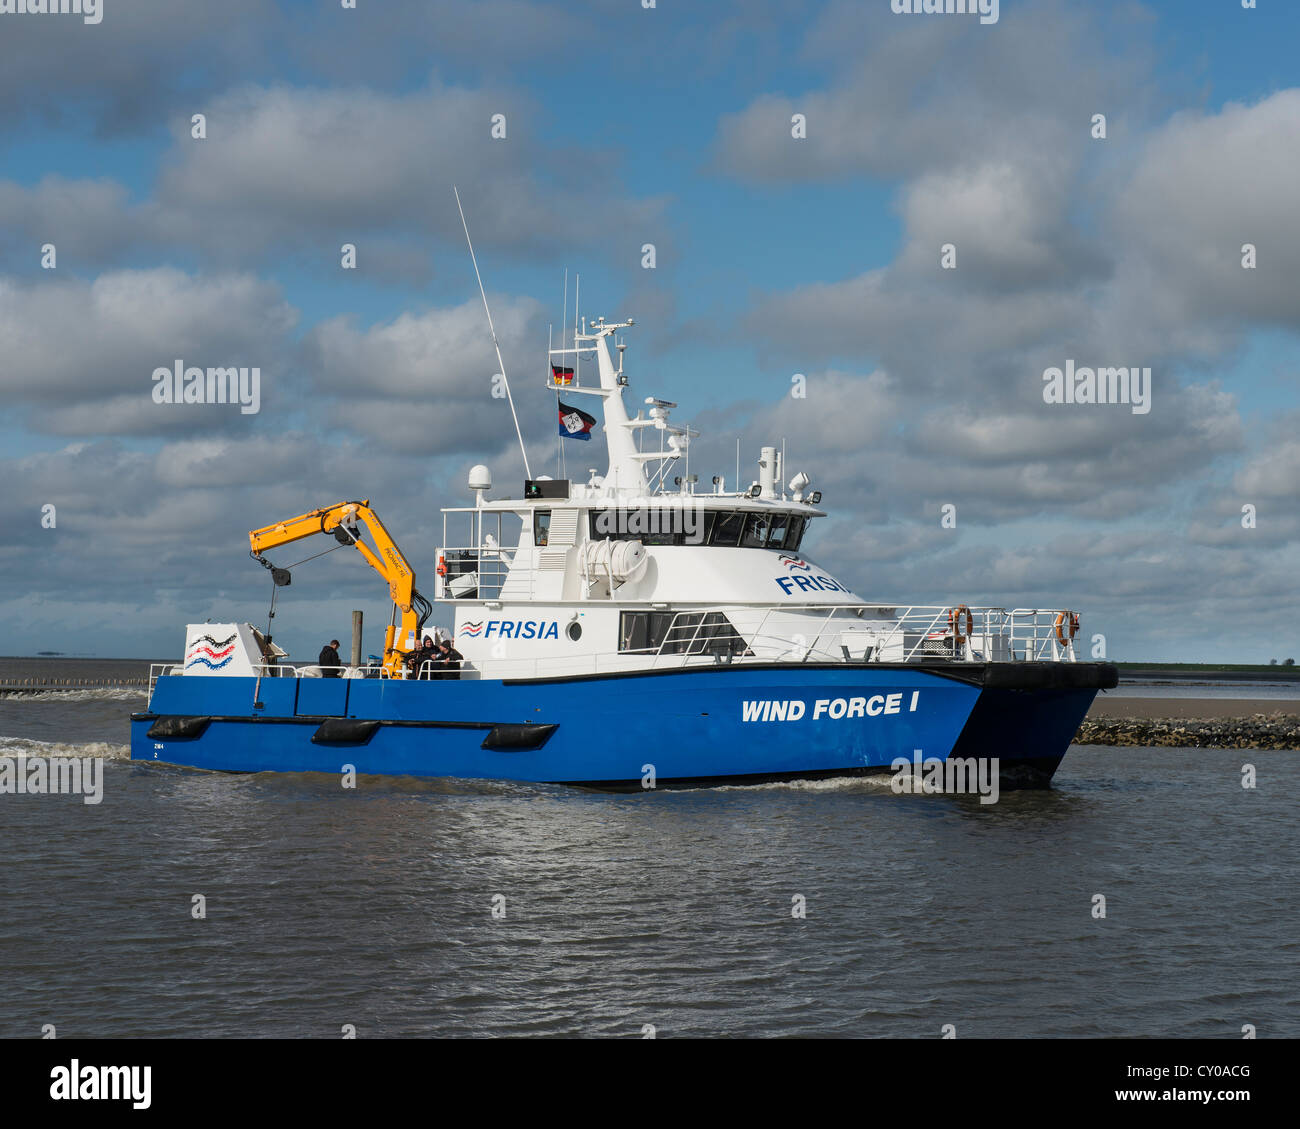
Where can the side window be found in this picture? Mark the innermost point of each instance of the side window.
(632, 631)
(654, 527)
(664, 529)
(643, 631)
(541, 526)
(604, 524)
(702, 530)
(716, 636)
(676, 633)
(726, 530)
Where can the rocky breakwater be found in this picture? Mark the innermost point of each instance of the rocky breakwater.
(1258, 731)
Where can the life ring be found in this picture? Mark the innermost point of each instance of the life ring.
(954, 622)
(1064, 619)
(442, 565)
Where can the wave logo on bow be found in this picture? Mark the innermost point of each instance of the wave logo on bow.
(471, 628)
(210, 652)
(793, 562)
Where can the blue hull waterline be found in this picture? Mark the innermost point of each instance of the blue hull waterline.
(619, 634)
(699, 726)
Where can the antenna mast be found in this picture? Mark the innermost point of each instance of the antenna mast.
(492, 329)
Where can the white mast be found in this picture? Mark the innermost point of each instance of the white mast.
(626, 471)
(492, 329)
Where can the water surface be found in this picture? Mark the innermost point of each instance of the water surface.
(374, 906)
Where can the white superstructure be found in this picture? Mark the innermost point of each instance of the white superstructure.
(621, 573)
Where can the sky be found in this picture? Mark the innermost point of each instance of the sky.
(1175, 532)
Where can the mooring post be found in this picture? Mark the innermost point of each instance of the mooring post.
(356, 638)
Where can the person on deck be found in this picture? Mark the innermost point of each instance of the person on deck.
(426, 652)
(329, 662)
(449, 660)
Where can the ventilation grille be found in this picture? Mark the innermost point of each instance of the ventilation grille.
(564, 528)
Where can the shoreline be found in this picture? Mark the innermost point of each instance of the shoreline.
(1206, 723)
(1190, 709)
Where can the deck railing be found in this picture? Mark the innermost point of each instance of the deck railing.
(273, 670)
(908, 634)
(854, 633)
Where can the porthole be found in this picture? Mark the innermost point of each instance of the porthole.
(575, 631)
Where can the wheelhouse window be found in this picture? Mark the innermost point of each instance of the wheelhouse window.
(662, 526)
(756, 530)
(727, 528)
(794, 534)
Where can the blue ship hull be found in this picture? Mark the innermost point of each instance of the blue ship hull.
(727, 723)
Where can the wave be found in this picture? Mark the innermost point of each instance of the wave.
(29, 747)
(100, 694)
(873, 783)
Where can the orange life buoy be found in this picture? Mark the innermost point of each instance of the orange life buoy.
(954, 622)
(1063, 620)
(442, 565)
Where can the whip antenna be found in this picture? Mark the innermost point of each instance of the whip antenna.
(492, 329)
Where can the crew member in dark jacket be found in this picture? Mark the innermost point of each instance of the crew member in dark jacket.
(329, 661)
(426, 652)
(450, 660)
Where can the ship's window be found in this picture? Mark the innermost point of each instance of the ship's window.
(755, 535)
(668, 526)
(668, 532)
(574, 631)
(726, 530)
(642, 631)
(677, 633)
(651, 527)
(541, 527)
(795, 533)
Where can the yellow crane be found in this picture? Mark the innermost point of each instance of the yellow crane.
(386, 558)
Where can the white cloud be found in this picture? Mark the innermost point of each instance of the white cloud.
(81, 355)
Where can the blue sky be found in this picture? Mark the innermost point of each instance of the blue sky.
(669, 127)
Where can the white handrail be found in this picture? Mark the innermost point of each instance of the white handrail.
(891, 634)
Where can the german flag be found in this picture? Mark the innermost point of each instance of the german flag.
(561, 375)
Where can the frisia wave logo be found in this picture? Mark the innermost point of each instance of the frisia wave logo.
(210, 652)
